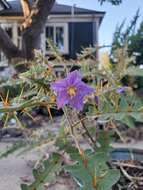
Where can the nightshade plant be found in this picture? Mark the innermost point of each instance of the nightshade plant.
(80, 138)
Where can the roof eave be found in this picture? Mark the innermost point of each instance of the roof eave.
(6, 4)
(101, 17)
(101, 14)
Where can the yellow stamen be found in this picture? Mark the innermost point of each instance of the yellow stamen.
(71, 91)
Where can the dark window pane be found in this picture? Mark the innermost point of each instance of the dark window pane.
(60, 38)
(9, 32)
(49, 35)
(19, 39)
(50, 32)
(19, 31)
(1, 7)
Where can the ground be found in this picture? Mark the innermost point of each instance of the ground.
(17, 169)
(13, 168)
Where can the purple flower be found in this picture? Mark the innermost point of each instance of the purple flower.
(71, 90)
(120, 90)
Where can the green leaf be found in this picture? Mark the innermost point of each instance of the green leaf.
(109, 179)
(81, 175)
(50, 166)
(129, 121)
(123, 104)
(138, 116)
(134, 71)
(15, 147)
(104, 139)
(93, 165)
(25, 187)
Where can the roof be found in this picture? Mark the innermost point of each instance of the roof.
(4, 5)
(15, 9)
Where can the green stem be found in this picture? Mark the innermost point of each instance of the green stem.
(86, 131)
(71, 128)
(28, 104)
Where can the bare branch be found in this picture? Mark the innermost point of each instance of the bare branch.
(32, 28)
(7, 46)
(26, 8)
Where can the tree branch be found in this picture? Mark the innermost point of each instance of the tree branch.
(32, 28)
(114, 2)
(26, 8)
(7, 46)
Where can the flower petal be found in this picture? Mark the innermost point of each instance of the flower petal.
(84, 89)
(120, 90)
(76, 102)
(73, 77)
(59, 85)
(62, 99)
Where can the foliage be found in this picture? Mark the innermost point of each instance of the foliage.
(132, 39)
(45, 174)
(12, 149)
(122, 36)
(114, 2)
(90, 169)
(110, 103)
(135, 44)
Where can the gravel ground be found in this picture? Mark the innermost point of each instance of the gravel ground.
(15, 169)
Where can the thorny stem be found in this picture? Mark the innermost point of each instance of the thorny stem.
(118, 132)
(86, 130)
(28, 104)
(71, 129)
(85, 161)
(81, 120)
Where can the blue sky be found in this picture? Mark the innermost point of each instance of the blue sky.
(114, 14)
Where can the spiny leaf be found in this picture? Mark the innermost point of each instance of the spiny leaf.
(41, 176)
(92, 166)
(13, 149)
(129, 121)
(134, 71)
(109, 179)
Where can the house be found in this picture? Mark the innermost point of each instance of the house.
(71, 28)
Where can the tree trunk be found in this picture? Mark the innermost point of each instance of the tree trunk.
(31, 35)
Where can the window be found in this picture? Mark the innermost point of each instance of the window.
(60, 38)
(2, 58)
(8, 28)
(19, 38)
(1, 7)
(58, 34)
(9, 31)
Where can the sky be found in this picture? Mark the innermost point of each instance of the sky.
(114, 15)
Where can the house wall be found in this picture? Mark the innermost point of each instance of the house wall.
(1, 7)
(12, 26)
(81, 31)
(80, 36)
